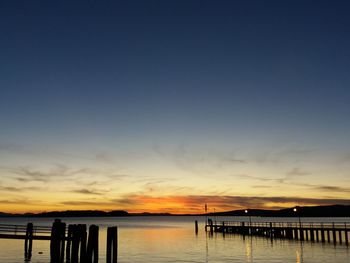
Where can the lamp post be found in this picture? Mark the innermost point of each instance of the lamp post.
(215, 215)
(298, 213)
(250, 219)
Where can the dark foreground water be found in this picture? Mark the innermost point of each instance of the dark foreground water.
(172, 239)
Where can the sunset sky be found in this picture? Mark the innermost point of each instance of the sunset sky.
(163, 106)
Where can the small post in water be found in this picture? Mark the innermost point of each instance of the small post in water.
(28, 242)
(196, 227)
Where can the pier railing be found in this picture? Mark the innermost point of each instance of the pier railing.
(21, 230)
(325, 225)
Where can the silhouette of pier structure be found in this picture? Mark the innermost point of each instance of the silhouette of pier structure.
(71, 244)
(335, 232)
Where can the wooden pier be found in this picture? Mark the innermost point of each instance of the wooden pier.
(73, 243)
(336, 233)
(20, 232)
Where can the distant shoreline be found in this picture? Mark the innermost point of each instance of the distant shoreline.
(306, 211)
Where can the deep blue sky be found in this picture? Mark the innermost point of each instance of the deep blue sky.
(84, 75)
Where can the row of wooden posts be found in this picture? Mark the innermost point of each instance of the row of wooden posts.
(77, 246)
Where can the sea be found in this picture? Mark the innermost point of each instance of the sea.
(173, 239)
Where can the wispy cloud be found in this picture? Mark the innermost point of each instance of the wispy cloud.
(329, 188)
(260, 178)
(199, 160)
(87, 192)
(18, 189)
(297, 172)
(16, 201)
(286, 180)
(90, 204)
(27, 174)
(60, 172)
(40, 151)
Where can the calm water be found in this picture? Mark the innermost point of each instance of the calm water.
(172, 239)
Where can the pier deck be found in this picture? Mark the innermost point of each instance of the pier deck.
(337, 232)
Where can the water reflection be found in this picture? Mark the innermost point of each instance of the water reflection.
(206, 248)
(300, 253)
(249, 249)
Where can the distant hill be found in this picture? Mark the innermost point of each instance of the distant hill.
(5, 214)
(82, 213)
(70, 213)
(302, 211)
(151, 214)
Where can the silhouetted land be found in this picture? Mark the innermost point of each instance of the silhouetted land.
(302, 211)
(306, 211)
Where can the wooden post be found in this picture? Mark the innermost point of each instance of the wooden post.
(243, 228)
(83, 239)
(92, 245)
(334, 235)
(57, 242)
(78, 237)
(69, 243)
(75, 244)
(112, 244)
(196, 227)
(322, 233)
(317, 235)
(28, 242)
(340, 237)
(211, 226)
(301, 231)
(271, 231)
(312, 234)
(346, 237)
(328, 236)
(295, 233)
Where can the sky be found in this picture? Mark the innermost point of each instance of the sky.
(164, 106)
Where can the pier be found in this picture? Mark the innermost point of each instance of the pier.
(336, 233)
(71, 244)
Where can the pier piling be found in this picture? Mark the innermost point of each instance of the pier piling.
(334, 235)
(322, 235)
(211, 226)
(328, 236)
(78, 243)
(57, 242)
(92, 245)
(112, 244)
(196, 227)
(28, 242)
(69, 243)
(340, 237)
(312, 235)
